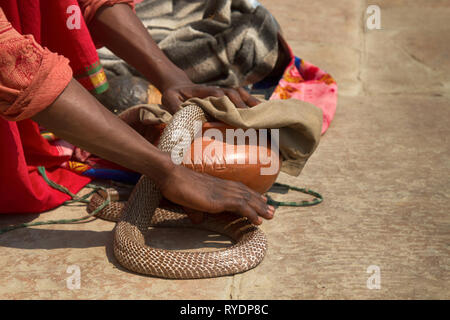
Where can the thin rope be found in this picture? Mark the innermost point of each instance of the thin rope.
(74, 199)
(318, 197)
(83, 199)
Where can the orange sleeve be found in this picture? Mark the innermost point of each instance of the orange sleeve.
(90, 7)
(31, 77)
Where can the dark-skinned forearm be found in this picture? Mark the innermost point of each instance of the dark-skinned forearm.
(76, 116)
(120, 30)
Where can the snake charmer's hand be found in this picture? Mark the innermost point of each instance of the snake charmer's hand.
(205, 193)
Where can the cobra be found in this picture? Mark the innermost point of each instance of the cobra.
(142, 211)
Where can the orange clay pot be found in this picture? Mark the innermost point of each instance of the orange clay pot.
(246, 161)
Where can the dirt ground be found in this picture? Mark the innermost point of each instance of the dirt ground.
(382, 167)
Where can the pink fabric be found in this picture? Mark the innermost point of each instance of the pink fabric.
(311, 84)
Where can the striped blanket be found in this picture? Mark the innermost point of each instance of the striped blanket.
(217, 42)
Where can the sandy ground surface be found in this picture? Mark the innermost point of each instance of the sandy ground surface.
(382, 167)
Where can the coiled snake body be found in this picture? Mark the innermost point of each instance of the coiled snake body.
(141, 211)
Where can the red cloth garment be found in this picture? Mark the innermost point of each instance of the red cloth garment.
(31, 78)
(90, 7)
(22, 189)
(61, 27)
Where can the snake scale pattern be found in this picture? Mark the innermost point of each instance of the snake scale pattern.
(142, 211)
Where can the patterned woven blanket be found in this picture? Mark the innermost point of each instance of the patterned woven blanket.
(217, 42)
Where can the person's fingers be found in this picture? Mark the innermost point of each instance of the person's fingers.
(252, 199)
(203, 92)
(235, 97)
(171, 101)
(271, 208)
(250, 100)
(239, 96)
(259, 205)
(246, 189)
(242, 207)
